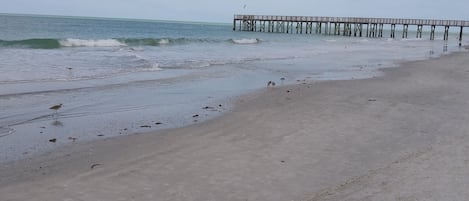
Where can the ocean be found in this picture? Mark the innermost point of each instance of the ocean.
(120, 76)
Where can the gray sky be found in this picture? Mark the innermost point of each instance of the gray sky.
(222, 11)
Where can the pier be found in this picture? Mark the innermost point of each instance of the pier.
(346, 26)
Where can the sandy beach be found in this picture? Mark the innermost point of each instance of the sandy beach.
(402, 136)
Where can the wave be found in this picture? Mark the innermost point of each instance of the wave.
(114, 42)
(59, 43)
(245, 41)
(32, 43)
(91, 43)
(140, 63)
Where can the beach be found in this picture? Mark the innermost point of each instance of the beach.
(118, 77)
(401, 136)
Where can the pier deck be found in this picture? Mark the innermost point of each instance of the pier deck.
(347, 26)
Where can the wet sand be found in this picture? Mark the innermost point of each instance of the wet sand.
(403, 136)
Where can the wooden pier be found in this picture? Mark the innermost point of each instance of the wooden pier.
(346, 26)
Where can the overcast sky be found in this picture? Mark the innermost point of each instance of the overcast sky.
(223, 10)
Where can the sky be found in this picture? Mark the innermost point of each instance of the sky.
(223, 10)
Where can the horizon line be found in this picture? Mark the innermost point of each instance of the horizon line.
(114, 18)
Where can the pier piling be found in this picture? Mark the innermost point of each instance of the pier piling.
(446, 35)
(419, 31)
(432, 32)
(405, 30)
(460, 36)
(393, 30)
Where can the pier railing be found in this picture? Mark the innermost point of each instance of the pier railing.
(347, 26)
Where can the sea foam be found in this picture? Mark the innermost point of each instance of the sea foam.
(246, 41)
(163, 41)
(70, 42)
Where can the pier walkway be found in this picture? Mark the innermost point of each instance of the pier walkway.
(346, 26)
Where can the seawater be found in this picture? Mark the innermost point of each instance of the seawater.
(117, 76)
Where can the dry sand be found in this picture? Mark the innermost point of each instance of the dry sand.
(403, 136)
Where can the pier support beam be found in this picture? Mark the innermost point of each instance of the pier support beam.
(326, 28)
(373, 31)
(355, 30)
(446, 36)
(319, 28)
(460, 36)
(249, 25)
(337, 29)
(419, 31)
(393, 30)
(299, 27)
(380, 34)
(310, 27)
(432, 32)
(361, 30)
(282, 27)
(358, 29)
(405, 30)
(367, 30)
(370, 32)
(347, 29)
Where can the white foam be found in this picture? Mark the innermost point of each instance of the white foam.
(246, 41)
(70, 42)
(163, 42)
(149, 65)
(412, 39)
(155, 67)
(201, 65)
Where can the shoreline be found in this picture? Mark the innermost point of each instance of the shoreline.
(296, 142)
(125, 95)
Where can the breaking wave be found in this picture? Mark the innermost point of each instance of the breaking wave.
(91, 43)
(114, 42)
(246, 41)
